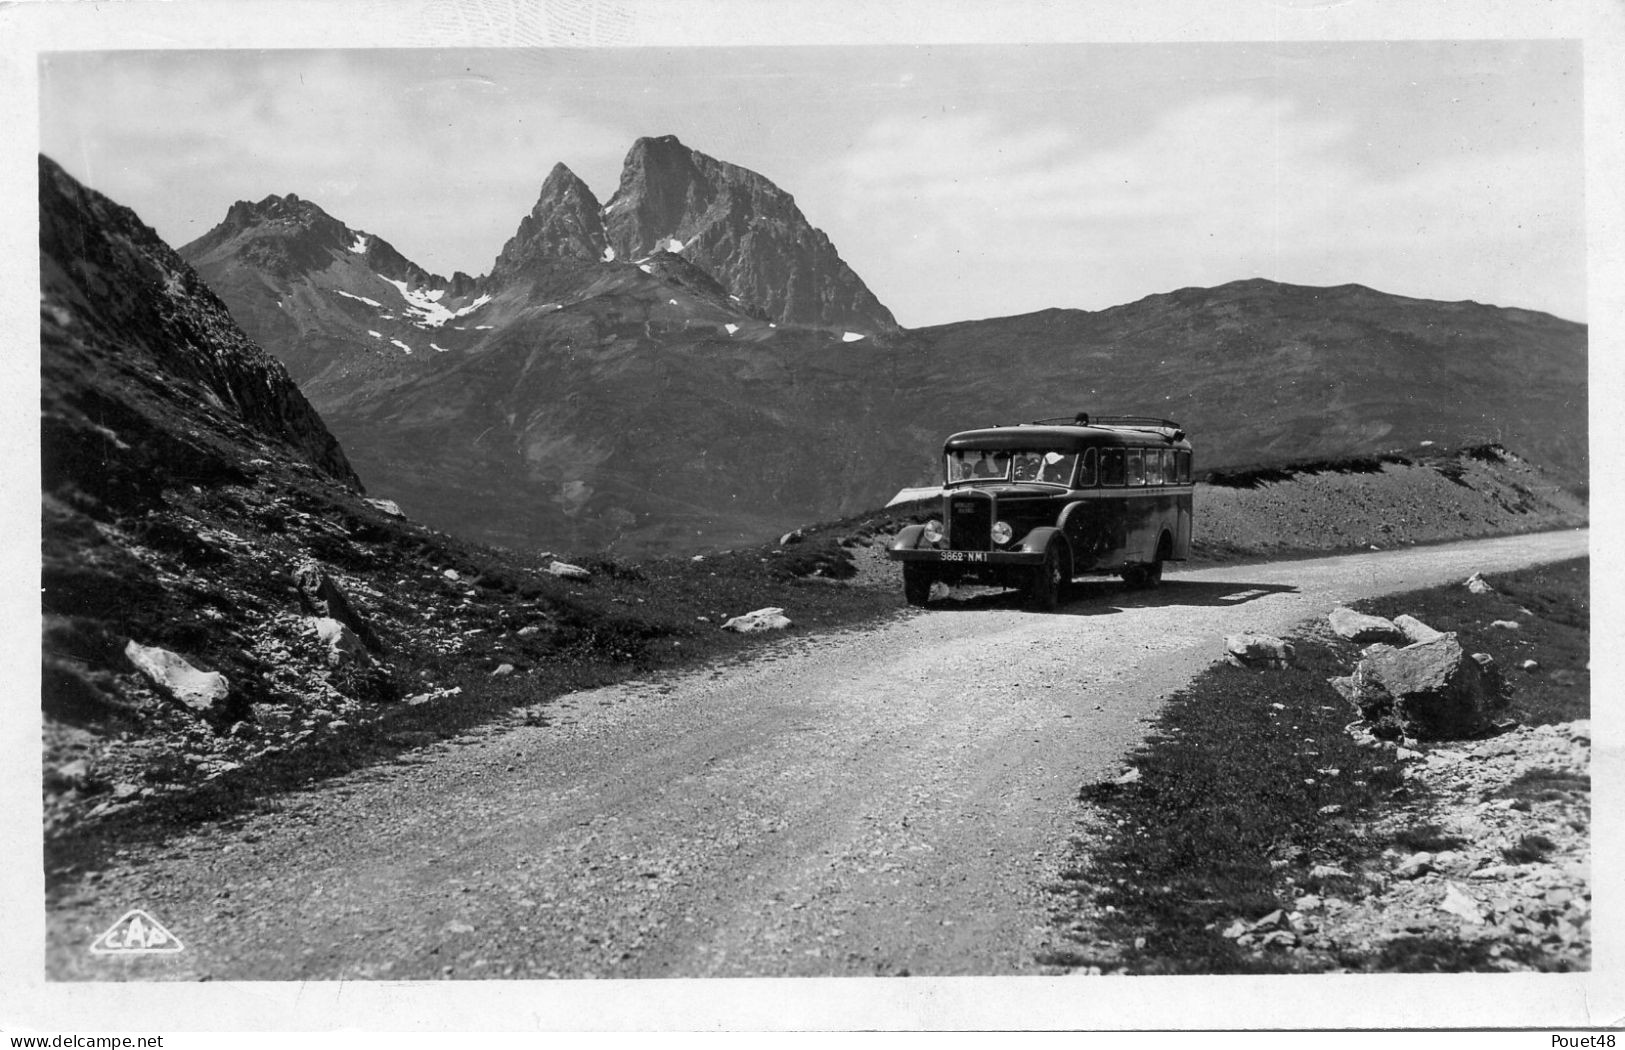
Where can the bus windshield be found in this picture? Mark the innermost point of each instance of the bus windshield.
(1038, 465)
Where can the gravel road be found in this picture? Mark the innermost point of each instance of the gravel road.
(884, 801)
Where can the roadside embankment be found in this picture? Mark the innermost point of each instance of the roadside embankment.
(1485, 491)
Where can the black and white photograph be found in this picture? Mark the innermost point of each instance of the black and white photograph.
(704, 516)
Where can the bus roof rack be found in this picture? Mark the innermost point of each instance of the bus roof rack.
(1084, 419)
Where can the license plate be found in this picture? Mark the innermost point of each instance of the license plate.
(964, 556)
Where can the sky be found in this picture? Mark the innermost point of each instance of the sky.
(960, 181)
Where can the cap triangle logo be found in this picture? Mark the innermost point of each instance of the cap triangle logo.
(137, 933)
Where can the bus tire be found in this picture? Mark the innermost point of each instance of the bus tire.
(1143, 576)
(916, 584)
(1048, 581)
(1146, 575)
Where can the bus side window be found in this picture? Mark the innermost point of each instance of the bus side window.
(1170, 471)
(1184, 457)
(1086, 469)
(1136, 466)
(1111, 466)
(1153, 466)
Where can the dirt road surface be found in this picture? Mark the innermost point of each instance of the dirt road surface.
(875, 802)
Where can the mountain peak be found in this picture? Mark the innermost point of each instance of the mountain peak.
(274, 208)
(565, 223)
(288, 235)
(742, 229)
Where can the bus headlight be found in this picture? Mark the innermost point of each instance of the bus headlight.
(933, 532)
(1002, 532)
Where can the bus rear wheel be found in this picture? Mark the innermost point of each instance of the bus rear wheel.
(916, 584)
(1143, 577)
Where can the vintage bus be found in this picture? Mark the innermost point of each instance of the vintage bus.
(1033, 505)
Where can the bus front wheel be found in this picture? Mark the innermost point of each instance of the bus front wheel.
(916, 584)
(1049, 580)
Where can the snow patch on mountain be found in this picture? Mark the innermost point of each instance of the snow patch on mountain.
(360, 245)
(350, 295)
(438, 347)
(609, 254)
(732, 328)
(425, 303)
(673, 245)
(851, 337)
(375, 335)
(402, 345)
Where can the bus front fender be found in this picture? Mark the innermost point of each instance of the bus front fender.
(909, 538)
(1038, 541)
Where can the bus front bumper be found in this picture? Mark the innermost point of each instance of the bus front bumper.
(966, 559)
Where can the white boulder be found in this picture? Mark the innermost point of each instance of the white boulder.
(1415, 630)
(1359, 627)
(1258, 650)
(769, 619)
(341, 642)
(564, 570)
(198, 690)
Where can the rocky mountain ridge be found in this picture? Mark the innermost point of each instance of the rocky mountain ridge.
(623, 378)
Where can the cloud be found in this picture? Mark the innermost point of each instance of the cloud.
(382, 140)
(1225, 187)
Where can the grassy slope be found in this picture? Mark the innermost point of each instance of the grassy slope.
(1201, 836)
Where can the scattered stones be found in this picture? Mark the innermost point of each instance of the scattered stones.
(1274, 930)
(433, 694)
(792, 537)
(1458, 902)
(388, 506)
(1258, 650)
(769, 619)
(1505, 625)
(201, 691)
(1359, 627)
(74, 774)
(1477, 584)
(321, 597)
(502, 670)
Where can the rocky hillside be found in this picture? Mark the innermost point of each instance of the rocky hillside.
(145, 381)
(216, 591)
